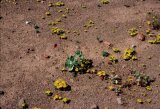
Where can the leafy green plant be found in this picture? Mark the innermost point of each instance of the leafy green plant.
(78, 63)
(155, 23)
(105, 54)
(142, 79)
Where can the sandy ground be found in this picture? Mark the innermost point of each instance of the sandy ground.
(27, 73)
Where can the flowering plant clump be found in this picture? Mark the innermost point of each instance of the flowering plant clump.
(66, 100)
(142, 79)
(57, 97)
(155, 41)
(59, 4)
(89, 24)
(104, 1)
(57, 31)
(129, 54)
(116, 50)
(60, 84)
(36, 108)
(113, 59)
(48, 93)
(101, 73)
(155, 23)
(78, 63)
(132, 32)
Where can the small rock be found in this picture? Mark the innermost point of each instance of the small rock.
(94, 106)
(133, 46)
(28, 22)
(141, 36)
(108, 43)
(1, 91)
(119, 101)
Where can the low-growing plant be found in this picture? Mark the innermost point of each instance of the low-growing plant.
(155, 41)
(116, 79)
(57, 31)
(129, 53)
(78, 63)
(132, 32)
(60, 84)
(156, 23)
(59, 4)
(142, 79)
(113, 59)
(104, 1)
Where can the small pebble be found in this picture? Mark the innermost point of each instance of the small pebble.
(119, 101)
(94, 106)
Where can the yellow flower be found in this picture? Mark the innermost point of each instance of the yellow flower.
(60, 84)
(130, 78)
(116, 50)
(65, 100)
(101, 73)
(149, 88)
(36, 108)
(104, 1)
(132, 32)
(48, 13)
(57, 31)
(59, 4)
(48, 92)
(57, 97)
(63, 36)
(139, 101)
(111, 88)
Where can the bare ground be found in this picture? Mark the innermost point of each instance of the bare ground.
(26, 73)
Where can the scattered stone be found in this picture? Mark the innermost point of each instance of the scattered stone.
(1, 92)
(94, 106)
(28, 22)
(133, 46)
(141, 36)
(108, 44)
(119, 101)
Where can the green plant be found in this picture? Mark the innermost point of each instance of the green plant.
(155, 23)
(142, 79)
(105, 54)
(78, 63)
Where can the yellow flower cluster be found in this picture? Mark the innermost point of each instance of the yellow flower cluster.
(129, 54)
(64, 100)
(59, 4)
(48, 92)
(104, 1)
(57, 31)
(36, 108)
(156, 41)
(116, 50)
(89, 24)
(101, 73)
(113, 59)
(60, 84)
(91, 71)
(57, 97)
(132, 32)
